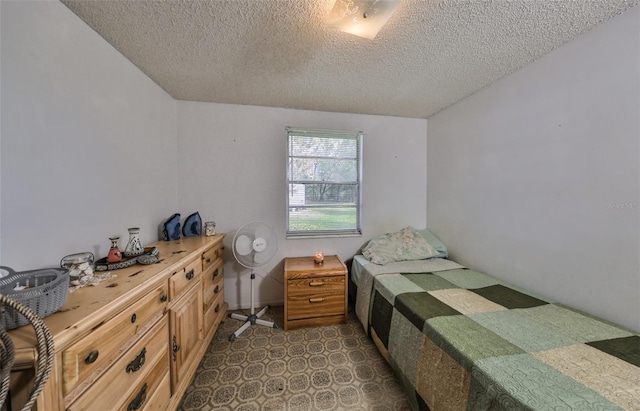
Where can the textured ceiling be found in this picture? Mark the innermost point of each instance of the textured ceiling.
(278, 53)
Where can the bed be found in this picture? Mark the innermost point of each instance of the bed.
(459, 339)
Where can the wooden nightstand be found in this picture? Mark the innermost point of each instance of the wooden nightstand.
(314, 294)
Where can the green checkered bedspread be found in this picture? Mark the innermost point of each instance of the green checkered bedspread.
(461, 340)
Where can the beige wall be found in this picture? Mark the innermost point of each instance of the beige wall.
(536, 179)
(232, 169)
(88, 143)
(90, 146)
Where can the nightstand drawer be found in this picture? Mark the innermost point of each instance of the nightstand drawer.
(315, 305)
(320, 285)
(317, 271)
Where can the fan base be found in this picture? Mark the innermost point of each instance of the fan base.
(252, 319)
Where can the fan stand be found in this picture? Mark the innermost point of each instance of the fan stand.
(253, 318)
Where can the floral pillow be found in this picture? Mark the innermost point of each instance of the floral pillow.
(406, 244)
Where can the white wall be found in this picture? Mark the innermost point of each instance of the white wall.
(89, 147)
(88, 144)
(232, 170)
(535, 179)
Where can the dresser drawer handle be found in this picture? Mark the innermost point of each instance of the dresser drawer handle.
(91, 357)
(163, 298)
(316, 283)
(316, 300)
(208, 260)
(217, 309)
(138, 362)
(134, 317)
(215, 273)
(216, 290)
(190, 274)
(139, 400)
(176, 348)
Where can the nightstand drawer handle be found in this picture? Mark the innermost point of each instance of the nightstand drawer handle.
(316, 300)
(216, 290)
(316, 283)
(190, 274)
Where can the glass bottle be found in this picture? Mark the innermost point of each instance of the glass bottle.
(134, 246)
(114, 252)
(209, 228)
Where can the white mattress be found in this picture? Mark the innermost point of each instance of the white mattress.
(357, 266)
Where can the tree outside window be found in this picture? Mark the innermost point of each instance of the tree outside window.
(323, 182)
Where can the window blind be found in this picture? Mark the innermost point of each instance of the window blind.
(324, 171)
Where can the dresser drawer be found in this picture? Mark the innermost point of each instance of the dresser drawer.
(315, 305)
(319, 285)
(210, 256)
(212, 280)
(102, 346)
(214, 311)
(144, 395)
(184, 278)
(160, 399)
(131, 368)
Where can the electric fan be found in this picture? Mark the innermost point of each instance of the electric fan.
(253, 245)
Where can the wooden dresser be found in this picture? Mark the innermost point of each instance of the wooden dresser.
(133, 342)
(314, 294)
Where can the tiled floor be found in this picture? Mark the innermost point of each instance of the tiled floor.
(321, 368)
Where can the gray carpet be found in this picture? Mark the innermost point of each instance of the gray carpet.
(320, 368)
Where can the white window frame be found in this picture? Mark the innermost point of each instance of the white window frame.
(292, 132)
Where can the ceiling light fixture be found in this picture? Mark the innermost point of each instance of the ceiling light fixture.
(363, 18)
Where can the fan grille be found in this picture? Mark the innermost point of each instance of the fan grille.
(254, 244)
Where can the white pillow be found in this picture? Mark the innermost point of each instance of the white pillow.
(406, 244)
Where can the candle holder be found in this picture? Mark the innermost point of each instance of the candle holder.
(318, 257)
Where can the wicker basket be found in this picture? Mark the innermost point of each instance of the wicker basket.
(45, 292)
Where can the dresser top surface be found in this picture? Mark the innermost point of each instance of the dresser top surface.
(90, 305)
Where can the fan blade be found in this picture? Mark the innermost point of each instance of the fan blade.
(243, 245)
(254, 244)
(260, 259)
(262, 231)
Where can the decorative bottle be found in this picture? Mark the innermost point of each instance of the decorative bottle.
(210, 228)
(114, 252)
(134, 246)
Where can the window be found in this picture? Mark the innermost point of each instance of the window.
(324, 174)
